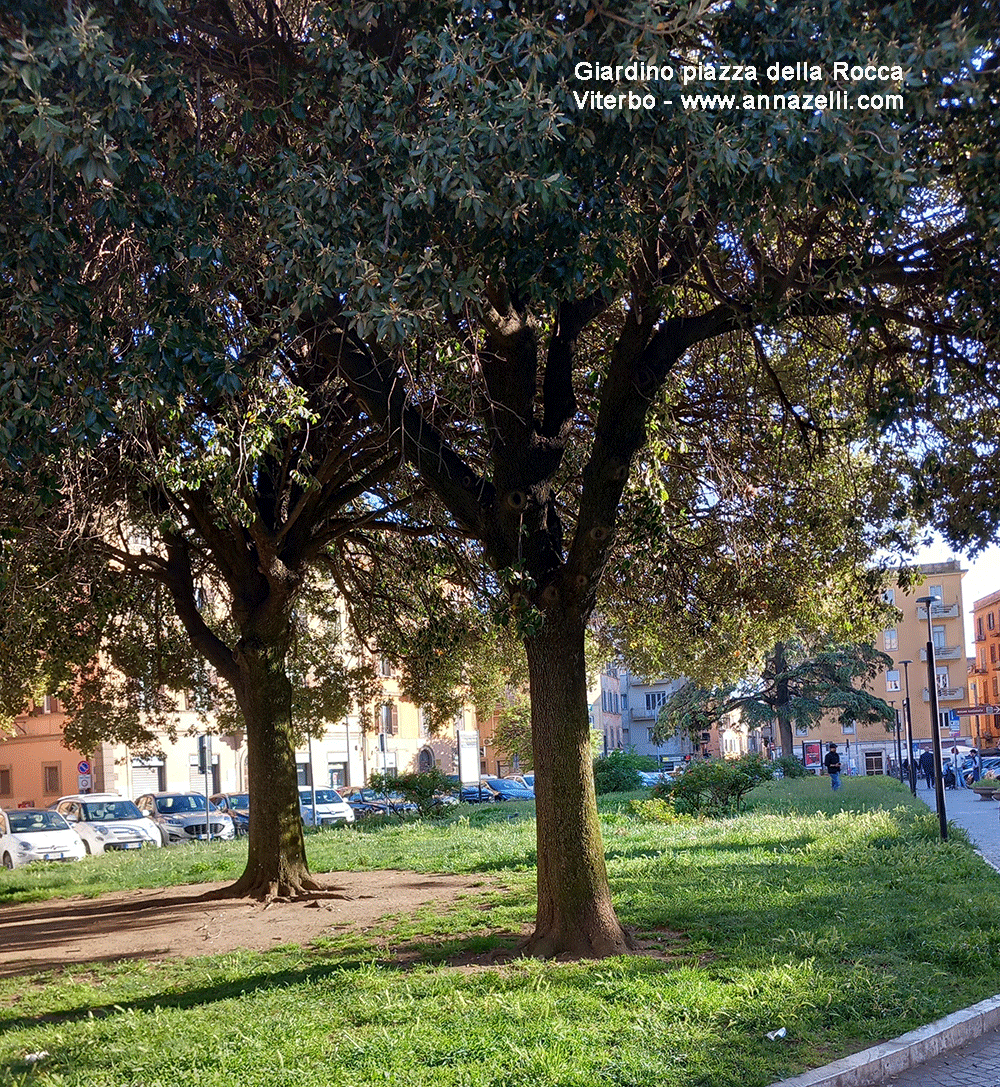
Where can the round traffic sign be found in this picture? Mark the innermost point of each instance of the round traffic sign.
(83, 767)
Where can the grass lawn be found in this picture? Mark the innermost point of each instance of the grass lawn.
(839, 917)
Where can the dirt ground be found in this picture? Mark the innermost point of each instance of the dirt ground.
(175, 922)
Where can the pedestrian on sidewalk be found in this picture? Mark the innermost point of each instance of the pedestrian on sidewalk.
(956, 762)
(927, 767)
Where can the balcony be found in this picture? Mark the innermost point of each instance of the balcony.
(938, 611)
(643, 714)
(945, 653)
(946, 694)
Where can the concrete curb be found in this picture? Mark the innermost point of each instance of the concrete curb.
(873, 1066)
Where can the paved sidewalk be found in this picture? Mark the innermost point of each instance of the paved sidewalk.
(976, 1064)
(980, 818)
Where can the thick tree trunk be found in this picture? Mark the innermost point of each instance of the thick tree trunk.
(276, 861)
(575, 915)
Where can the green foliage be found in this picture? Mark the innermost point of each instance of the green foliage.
(790, 766)
(716, 786)
(421, 789)
(618, 772)
(512, 730)
(657, 810)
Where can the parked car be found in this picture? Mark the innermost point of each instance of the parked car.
(106, 821)
(181, 817)
(495, 790)
(36, 834)
(366, 801)
(331, 808)
(237, 807)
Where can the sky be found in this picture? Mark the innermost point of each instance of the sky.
(983, 577)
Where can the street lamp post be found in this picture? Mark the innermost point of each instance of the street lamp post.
(909, 728)
(899, 746)
(935, 724)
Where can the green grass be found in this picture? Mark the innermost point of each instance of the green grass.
(840, 917)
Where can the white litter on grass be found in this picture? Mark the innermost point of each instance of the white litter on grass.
(774, 1035)
(34, 1058)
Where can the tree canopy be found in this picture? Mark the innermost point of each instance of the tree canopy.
(510, 290)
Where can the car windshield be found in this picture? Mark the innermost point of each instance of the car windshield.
(323, 796)
(239, 801)
(27, 822)
(107, 811)
(172, 805)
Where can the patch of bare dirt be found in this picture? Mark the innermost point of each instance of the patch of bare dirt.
(177, 922)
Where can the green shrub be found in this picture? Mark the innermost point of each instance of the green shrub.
(790, 766)
(619, 771)
(419, 789)
(657, 811)
(715, 787)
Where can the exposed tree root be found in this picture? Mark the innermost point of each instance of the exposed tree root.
(557, 943)
(266, 890)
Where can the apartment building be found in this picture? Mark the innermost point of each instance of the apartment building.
(984, 671)
(871, 749)
(606, 709)
(389, 736)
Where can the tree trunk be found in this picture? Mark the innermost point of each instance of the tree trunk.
(276, 860)
(782, 700)
(575, 915)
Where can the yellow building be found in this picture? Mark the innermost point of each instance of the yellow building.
(871, 749)
(984, 670)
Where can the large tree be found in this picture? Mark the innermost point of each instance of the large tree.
(800, 685)
(427, 204)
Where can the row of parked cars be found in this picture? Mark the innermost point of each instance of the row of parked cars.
(94, 823)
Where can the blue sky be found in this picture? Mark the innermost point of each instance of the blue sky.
(983, 577)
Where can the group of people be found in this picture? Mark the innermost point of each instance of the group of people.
(953, 771)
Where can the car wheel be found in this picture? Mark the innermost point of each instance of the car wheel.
(7, 861)
(86, 847)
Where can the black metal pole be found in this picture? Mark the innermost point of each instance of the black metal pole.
(899, 745)
(935, 724)
(909, 729)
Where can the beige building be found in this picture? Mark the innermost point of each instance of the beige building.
(984, 670)
(871, 749)
(36, 769)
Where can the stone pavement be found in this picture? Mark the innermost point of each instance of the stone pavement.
(961, 1050)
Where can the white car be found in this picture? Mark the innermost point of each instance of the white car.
(106, 821)
(331, 808)
(34, 834)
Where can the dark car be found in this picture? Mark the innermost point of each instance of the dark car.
(495, 790)
(237, 807)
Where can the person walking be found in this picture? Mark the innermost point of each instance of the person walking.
(927, 767)
(832, 764)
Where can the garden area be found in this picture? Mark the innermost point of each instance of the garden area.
(839, 918)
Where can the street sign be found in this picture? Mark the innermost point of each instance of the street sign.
(976, 711)
(84, 783)
(83, 767)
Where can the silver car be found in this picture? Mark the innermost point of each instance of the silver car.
(181, 817)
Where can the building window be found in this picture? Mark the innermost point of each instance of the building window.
(996, 687)
(892, 679)
(385, 667)
(425, 760)
(943, 682)
(889, 596)
(51, 779)
(655, 699)
(5, 782)
(937, 636)
(337, 773)
(938, 591)
(980, 635)
(990, 621)
(389, 721)
(604, 701)
(993, 654)
(891, 640)
(649, 737)
(848, 729)
(624, 702)
(303, 771)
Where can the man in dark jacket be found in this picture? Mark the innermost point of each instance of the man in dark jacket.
(927, 767)
(832, 764)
